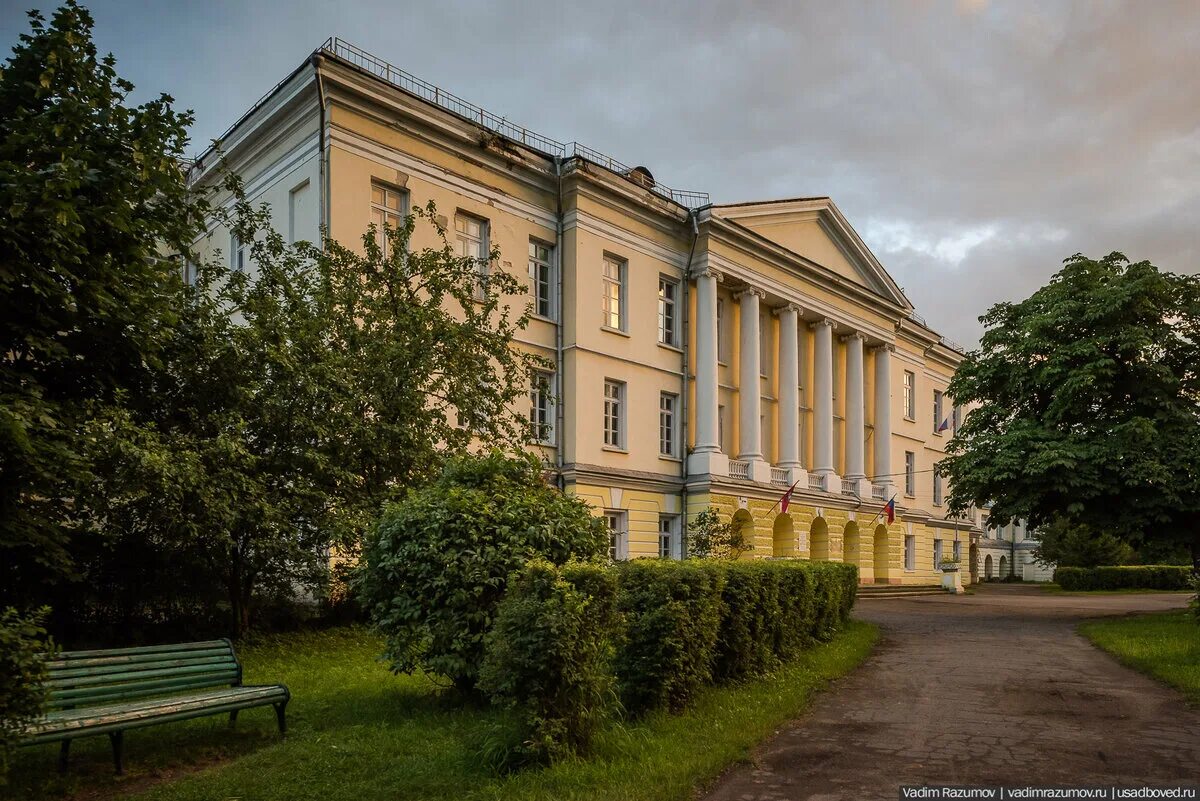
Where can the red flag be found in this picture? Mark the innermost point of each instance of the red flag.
(786, 499)
(890, 510)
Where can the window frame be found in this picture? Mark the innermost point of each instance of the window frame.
(621, 282)
(668, 431)
(541, 394)
(668, 537)
(483, 263)
(910, 552)
(938, 409)
(387, 211)
(722, 348)
(614, 413)
(237, 253)
(668, 335)
(617, 523)
(910, 395)
(910, 474)
(937, 554)
(548, 265)
(937, 488)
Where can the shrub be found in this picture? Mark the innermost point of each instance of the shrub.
(1145, 577)
(672, 612)
(710, 537)
(549, 656)
(752, 620)
(24, 645)
(437, 564)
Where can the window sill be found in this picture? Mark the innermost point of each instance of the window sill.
(613, 449)
(910, 419)
(543, 318)
(616, 331)
(913, 496)
(664, 458)
(672, 348)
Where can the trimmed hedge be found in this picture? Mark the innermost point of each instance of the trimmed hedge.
(657, 631)
(672, 615)
(1125, 577)
(549, 655)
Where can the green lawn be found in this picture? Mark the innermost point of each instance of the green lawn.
(358, 732)
(1165, 646)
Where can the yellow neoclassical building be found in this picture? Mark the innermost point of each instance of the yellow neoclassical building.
(706, 354)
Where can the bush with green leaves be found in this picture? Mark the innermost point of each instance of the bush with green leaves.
(549, 657)
(711, 537)
(24, 645)
(672, 615)
(437, 564)
(1125, 577)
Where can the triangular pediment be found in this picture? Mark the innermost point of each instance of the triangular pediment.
(814, 229)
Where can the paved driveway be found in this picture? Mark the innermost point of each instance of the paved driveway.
(992, 688)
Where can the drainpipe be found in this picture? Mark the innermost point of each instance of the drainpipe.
(323, 168)
(685, 347)
(560, 439)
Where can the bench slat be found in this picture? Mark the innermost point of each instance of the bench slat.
(92, 696)
(118, 678)
(147, 649)
(124, 667)
(59, 666)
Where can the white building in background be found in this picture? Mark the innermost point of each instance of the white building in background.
(1008, 550)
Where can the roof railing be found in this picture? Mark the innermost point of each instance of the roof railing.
(448, 101)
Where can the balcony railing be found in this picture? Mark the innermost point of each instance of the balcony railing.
(739, 469)
(849, 486)
(879, 492)
(780, 476)
(816, 481)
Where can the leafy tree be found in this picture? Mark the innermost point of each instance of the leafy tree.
(91, 188)
(711, 537)
(436, 567)
(1087, 399)
(1066, 544)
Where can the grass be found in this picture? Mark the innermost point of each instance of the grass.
(1164, 645)
(358, 732)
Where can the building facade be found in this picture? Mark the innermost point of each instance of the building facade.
(1008, 551)
(705, 354)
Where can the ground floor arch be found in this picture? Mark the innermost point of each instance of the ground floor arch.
(1003, 567)
(851, 544)
(783, 536)
(973, 561)
(818, 539)
(743, 530)
(987, 567)
(882, 553)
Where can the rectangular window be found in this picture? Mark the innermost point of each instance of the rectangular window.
(956, 415)
(667, 435)
(937, 490)
(668, 325)
(618, 546)
(541, 275)
(937, 411)
(614, 412)
(937, 554)
(613, 301)
(957, 551)
(910, 552)
(299, 200)
(387, 211)
(910, 473)
(237, 254)
(471, 239)
(191, 272)
(721, 349)
(666, 537)
(910, 399)
(541, 408)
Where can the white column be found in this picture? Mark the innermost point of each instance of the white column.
(706, 456)
(789, 392)
(749, 383)
(883, 415)
(855, 409)
(823, 402)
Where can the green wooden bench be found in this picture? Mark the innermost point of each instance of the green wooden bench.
(110, 691)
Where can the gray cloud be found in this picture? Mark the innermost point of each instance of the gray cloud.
(973, 144)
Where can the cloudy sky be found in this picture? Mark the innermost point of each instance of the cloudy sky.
(973, 144)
